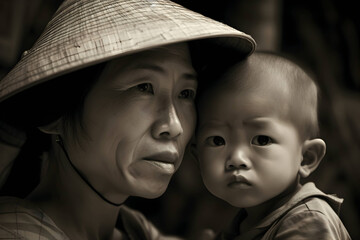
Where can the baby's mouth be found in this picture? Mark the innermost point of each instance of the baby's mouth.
(239, 181)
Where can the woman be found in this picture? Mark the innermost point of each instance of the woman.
(118, 113)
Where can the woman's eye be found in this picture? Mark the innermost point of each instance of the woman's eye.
(187, 94)
(261, 140)
(216, 141)
(145, 87)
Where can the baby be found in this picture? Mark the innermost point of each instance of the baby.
(257, 136)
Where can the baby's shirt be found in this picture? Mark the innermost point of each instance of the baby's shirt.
(309, 214)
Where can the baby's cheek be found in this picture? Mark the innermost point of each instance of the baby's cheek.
(213, 180)
(212, 170)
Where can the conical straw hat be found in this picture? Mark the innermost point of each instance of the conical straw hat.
(84, 32)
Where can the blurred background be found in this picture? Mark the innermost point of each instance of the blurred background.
(323, 36)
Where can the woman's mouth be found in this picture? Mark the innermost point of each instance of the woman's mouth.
(163, 166)
(164, 161)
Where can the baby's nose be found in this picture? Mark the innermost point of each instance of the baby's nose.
(237, 160)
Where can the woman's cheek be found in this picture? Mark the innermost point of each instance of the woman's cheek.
(188, 117)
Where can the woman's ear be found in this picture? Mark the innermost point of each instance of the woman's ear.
(52, 128)
(313, 152)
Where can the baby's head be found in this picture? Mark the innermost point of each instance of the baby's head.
(257, 130)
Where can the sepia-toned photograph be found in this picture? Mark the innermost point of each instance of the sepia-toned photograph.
(179, 120)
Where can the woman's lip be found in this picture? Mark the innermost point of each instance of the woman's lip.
(165, 157)
(164, 161)
(163, 166)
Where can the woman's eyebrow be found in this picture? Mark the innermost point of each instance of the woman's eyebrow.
(191, 74)
(151, 67)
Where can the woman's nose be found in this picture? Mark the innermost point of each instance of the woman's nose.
(238, 160)
(168, 124)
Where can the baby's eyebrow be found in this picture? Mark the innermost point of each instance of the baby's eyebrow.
(258, 122)
(210, 125)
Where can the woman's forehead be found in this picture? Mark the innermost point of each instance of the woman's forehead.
(179, 51)
(171, 59)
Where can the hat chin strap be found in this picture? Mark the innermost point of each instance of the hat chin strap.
(61, 143)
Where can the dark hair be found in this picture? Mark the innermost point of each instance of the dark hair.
(210, 61)
(38, 106)
(46, 102)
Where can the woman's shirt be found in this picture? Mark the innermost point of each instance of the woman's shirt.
(20, 219)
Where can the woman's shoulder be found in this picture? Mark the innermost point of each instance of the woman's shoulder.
(20, 219)
(135, 225)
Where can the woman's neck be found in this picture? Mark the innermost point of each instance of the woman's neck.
(257, 213)
(74, 207)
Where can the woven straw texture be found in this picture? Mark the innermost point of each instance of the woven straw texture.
(85, 32)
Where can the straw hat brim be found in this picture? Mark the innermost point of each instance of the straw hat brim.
(86, 32)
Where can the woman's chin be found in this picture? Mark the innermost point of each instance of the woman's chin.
(152, 195)
(153, 190)
(146, 184)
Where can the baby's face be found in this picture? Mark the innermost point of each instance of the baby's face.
(248, 152)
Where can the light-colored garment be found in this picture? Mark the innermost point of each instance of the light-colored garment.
(309, 214)
(20, 219)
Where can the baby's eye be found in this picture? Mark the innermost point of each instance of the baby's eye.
(262, 140)
(216, 141)
(145, 87)
(187, 94)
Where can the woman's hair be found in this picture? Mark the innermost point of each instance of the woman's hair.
(38, 106)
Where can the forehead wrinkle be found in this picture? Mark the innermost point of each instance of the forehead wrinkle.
(140, 61)
(149, 66)
(178, 51)
(191, 74)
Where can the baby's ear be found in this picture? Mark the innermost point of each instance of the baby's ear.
(313, 152)
(52, 128)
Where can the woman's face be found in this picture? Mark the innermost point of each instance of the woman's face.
(137, 120)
